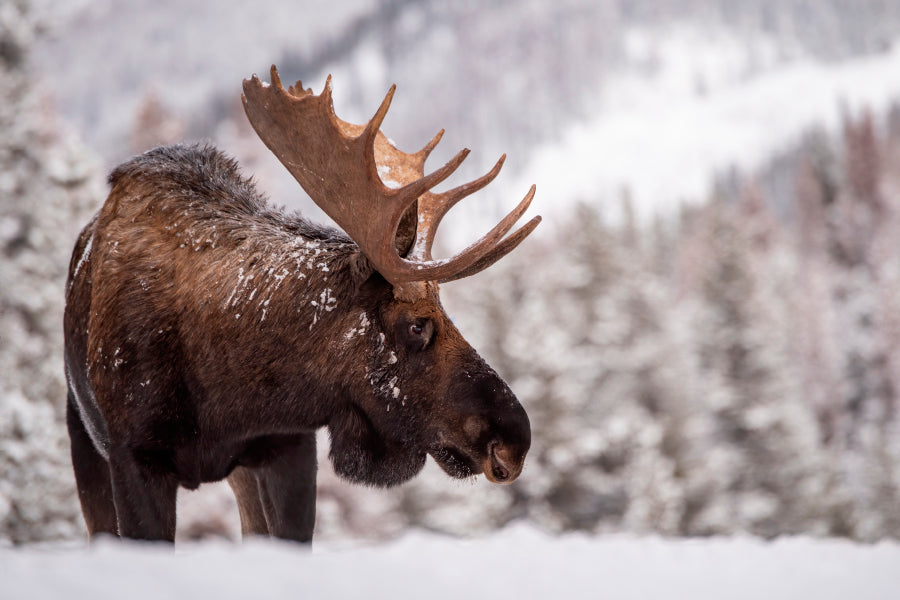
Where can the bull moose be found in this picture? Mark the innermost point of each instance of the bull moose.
(209, 335)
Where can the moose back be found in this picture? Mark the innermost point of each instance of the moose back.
(208, 335)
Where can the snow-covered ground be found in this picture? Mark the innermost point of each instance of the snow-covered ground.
(518, 562)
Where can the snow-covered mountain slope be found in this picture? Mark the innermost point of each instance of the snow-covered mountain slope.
(708, 103)
(588, 98)
(509, 75)
(518, 562)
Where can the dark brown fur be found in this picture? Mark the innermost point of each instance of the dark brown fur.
(209, 335)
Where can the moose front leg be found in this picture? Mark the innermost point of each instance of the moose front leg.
(279, 497)
(287, 489)
(144, 495)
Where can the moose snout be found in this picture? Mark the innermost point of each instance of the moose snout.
(506, 451)
(504, 463)
(490, 435)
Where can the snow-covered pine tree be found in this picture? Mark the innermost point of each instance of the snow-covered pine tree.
(762, 467)
(48, 187)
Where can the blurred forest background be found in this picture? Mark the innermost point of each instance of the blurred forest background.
(706, 328)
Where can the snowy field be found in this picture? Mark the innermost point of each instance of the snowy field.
(518, 562)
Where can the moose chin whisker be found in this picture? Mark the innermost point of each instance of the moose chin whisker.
(454, 462)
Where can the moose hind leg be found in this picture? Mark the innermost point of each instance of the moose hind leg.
(91, 477)
(246, 491)
(144, 494)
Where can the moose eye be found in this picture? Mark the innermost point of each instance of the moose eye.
(419, 333)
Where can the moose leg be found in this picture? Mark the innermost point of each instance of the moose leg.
(91, 477)
(144, 496)
(246, 492)
(287, 489)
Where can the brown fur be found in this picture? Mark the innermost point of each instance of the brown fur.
(209, 335)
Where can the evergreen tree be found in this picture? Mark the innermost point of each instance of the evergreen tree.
(48, 187)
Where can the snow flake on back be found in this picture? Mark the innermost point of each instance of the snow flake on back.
(241, 282)
(359, 329)
(85, 254)
(325, 302)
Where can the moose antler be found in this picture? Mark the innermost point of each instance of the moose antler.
(365, 184)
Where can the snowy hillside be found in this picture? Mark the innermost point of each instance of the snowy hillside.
(711, 102)
(517, 563)
(588, 98)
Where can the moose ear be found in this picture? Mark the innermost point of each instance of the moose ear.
(406, 230)
(360, 269)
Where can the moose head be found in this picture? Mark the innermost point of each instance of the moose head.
(209, 336)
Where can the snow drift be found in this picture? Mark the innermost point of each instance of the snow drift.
(518, 560)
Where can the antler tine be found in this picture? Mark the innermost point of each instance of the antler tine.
(420, 186)
(405, 271)
(426, 151)
(297, 90)
(372, 127)
(273, 75)
(506, 246)
(435, 206)
(326, 93)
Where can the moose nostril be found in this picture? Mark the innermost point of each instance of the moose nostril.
(498, 469)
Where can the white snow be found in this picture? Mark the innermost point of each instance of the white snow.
(384, 172)
(84, 256)
(708, 102)
(518, 562)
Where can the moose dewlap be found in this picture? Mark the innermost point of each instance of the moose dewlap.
(208, 335)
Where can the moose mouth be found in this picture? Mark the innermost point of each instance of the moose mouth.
(461, 465)
(455, 462)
